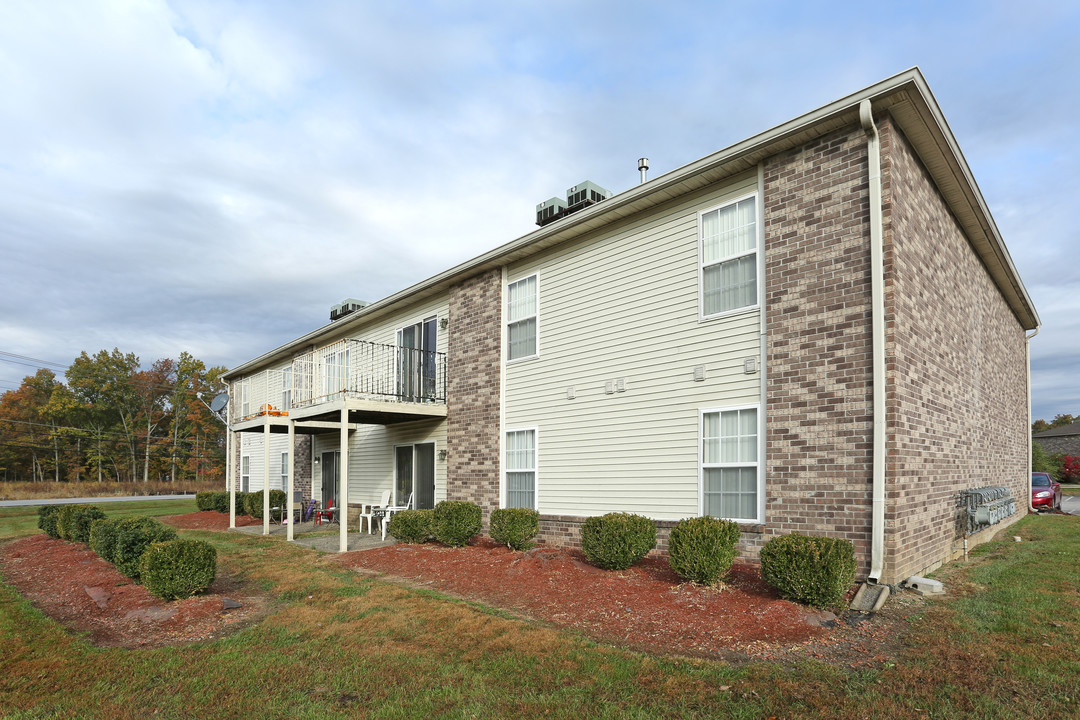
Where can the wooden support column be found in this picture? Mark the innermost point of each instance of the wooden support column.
(343, 475)
(292, 477)
(266, 474)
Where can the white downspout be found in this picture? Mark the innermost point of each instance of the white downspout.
(1031, 440)
(877, 285)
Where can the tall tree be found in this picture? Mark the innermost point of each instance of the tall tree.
(105, 383)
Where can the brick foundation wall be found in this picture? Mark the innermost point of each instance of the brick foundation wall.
(957, 368)
(472, 420)
(819, 421)
(565, 531)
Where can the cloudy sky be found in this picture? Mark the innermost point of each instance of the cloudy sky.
(212, 176)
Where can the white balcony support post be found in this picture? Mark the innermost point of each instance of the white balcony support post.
(292, 476)
(343, 476)
(230, 481)
(266, 474)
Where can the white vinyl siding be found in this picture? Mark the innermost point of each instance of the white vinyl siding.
(251, 445)
(625, 305)
(520, 464)
(729, 241)
(371, 456)
(522, 318)
(730, 465)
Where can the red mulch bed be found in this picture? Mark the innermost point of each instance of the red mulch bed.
(69, 582)
(645, 607)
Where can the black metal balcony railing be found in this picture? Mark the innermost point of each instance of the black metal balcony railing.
(347, 368)
(361, 369)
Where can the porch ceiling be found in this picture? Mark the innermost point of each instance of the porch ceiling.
(326, 417)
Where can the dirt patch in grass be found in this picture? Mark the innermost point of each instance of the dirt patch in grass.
(645, 607)
(69, 582)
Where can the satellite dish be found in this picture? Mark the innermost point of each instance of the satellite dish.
(219, 402)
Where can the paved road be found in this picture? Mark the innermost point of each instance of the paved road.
(1071, 504)
(68, 501)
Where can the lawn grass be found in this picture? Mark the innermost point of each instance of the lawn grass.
(17, 521)
(1003, 644)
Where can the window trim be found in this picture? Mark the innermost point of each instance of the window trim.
(284, 469)
(759, 465)
(756, 252)
(535, 469)
(535, 316)
(245, 486)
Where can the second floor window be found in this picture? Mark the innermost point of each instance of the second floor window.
(729, 257)
(521, 316)
(286, 388)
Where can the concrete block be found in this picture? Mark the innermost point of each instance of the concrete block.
(924, 586)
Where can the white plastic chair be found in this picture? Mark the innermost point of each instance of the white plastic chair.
(393, 509)
(368, 511)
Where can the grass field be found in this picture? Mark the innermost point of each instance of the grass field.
(16, 521)
(1005, 643)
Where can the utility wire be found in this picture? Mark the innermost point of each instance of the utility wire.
(39, 361)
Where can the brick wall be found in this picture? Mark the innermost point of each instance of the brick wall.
(473, 363)
(957, 369)
(819, 408)
(565, 531)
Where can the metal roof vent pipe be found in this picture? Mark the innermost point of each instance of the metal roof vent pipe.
(643, 168)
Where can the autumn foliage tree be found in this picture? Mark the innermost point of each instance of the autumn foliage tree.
(113, 420)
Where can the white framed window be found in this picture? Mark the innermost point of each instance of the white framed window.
(245, 473)
(521, 318)
(731, 463)
(728, 245)
(520, 469)
(286, 388)
(284, 470)
(245, 398)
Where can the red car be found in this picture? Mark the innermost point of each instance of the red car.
(1045, 491)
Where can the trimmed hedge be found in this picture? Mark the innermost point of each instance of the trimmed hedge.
(103, 538)
(253, 502)
(47, 517)
(456, 522)
(221, 501)
(64, 521)
(133, 536)
(808, 569)
(177, 569)
(617, 540)
(516, 527)
(204, 500)
(80, 520)
(702, 549)
(412, 526)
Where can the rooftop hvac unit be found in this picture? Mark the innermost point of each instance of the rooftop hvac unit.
(345, 307)
(550, 211)
(585, 194)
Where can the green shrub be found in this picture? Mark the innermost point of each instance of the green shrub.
(412, 526)
(204, 500)
(241, 502)
(47, 517)
(516, 527)
(103, 538)
(812, 570)
(221, 501)
(133, 536)
(64, 521)
(455, 522)
(253, 502)
(617, 540)
(178, 568)
(702, 549)
(82, 516)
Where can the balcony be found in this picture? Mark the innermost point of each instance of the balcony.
(376, 384)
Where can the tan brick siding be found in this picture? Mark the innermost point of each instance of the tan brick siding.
(957, 369)
(473, 364)
(819, 354)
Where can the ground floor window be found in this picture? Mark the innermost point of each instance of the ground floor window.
(284, 470)
(730, 467)
(245, 473)
(521, 469)
(414, 475)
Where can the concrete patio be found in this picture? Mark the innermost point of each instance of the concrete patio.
(325, 537)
